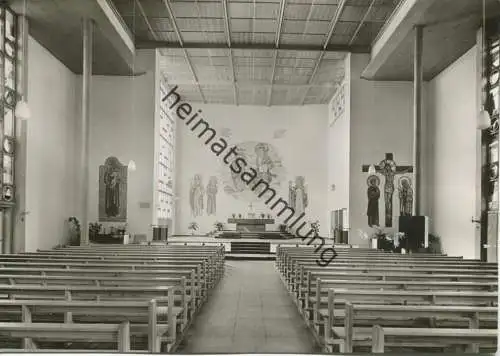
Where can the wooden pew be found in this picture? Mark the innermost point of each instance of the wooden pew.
(392, 284)
(422, 337)
(318, 285)
(357, 317)
(325, 311)
(199, 286)
(115, 277)
(55, 332)
(147, 318)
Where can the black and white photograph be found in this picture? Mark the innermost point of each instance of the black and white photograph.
(217, 177)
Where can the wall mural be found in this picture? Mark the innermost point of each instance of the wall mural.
(264, 158)
(373, 193)
(113, 191)
(298, 198)
(212, 196)
(196, 196)
(389, 169)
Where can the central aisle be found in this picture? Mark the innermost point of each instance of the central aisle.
(249, 311)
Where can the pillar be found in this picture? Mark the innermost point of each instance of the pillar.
(88, 27)
(417, 118)
(19, 213)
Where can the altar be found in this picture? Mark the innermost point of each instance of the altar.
(243, 224)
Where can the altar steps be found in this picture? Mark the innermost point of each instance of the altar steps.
(240, 247)
(267, 235)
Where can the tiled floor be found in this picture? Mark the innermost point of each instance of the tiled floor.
(250, 311)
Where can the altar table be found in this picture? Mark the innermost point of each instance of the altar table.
(250, 224)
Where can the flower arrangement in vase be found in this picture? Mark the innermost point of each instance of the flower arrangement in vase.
(74, 231)
(193, 226)
(219, 226)
(315, 227)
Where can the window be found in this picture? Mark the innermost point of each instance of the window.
(165, 154)
(9, 95)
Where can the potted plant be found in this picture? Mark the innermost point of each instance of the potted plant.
(400, 242)
(262, 216)
(74, 231)
(434, 244)
(219, 226)
(234, 216)
(94, 230)
(269, 216)
(315, 227)
(193, 226)
(239, 216)
(282, 227)
(381, 240)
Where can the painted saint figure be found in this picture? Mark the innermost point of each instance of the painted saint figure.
(196, 196)
(112, 193)
(211, 196)
(405, 197)
(298, 195)
(373, 193)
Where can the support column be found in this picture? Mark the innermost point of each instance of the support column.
(417, 118)
(2, 238)
(19, 213)
(88, 27)
(7, 230)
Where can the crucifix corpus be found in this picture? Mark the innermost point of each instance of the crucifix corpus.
(389, 169)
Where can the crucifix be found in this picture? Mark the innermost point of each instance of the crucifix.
(388, 169)
(251, 213)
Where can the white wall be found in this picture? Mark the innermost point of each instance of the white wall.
(303, 151)
(381, 122)
(451, 161)
(122, 125)
(338, 158)
(51, 149)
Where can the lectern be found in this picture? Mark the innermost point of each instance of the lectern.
(416, 229)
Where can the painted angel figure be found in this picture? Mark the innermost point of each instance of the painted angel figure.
(196, 196)
(298, 195)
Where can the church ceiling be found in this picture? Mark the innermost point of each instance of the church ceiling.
(255, 52)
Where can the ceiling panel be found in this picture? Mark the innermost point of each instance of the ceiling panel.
(255, 23)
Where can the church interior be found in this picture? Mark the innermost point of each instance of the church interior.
(249, 176)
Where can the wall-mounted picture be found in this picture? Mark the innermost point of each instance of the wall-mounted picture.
(113, 191)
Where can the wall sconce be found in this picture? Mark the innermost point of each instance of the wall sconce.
(371, 169)
(483, 120)
(131, 166)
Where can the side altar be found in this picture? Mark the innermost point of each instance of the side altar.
(250, 224)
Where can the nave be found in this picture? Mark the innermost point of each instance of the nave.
(249, 311)
(188, 299)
